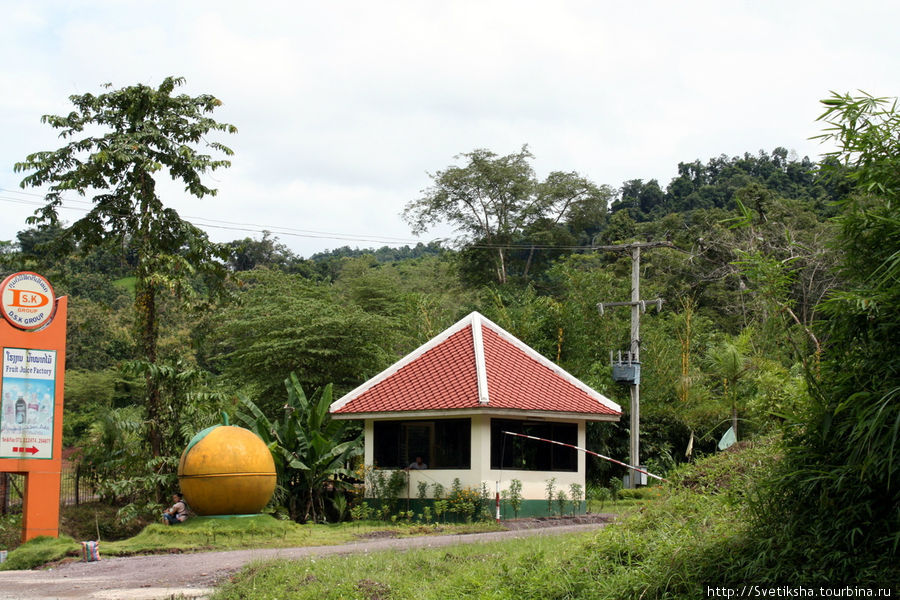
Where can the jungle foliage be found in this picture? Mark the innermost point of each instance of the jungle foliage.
(780, 307)
(832, 510)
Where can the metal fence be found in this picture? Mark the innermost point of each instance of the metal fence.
(76, 487)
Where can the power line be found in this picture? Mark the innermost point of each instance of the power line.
(206, 222)
(211, 223)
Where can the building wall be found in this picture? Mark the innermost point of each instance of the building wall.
(533, 482)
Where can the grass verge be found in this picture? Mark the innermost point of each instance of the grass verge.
(669, 547)
(647, 555)
(210, 534)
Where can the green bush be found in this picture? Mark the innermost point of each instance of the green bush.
(10, 530)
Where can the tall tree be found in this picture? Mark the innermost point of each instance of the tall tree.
(488, 199)
(296, 325)
(118, 142)
(247, 254)
(493, 199)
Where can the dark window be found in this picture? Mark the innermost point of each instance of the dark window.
(442, 443)
(513, 452)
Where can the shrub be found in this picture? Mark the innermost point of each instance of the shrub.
(561, 499)
(384, 487)
(515, 496)
(464, 501)
(422, 491)
(575, 495)
(602, 495)
(551, 488)
(437, 491)
(643, 493)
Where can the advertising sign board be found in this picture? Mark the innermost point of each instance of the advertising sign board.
(28, 392)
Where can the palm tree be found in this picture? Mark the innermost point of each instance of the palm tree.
(728, 362)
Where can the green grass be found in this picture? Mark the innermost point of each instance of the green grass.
(670, 542)
(471, 570)
(202, 534)
(38, 551)
(649, 554)
(622, 505)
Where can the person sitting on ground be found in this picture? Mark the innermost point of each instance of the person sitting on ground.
(418, 465)
(177, 513)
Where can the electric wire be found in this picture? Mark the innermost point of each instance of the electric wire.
(211, 223)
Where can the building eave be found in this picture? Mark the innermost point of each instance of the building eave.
(534, 415)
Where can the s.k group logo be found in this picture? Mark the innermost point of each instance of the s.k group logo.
(27, 300)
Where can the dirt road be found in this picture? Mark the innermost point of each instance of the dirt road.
(196, 575)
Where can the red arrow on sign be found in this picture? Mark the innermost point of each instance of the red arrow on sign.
(31, 450)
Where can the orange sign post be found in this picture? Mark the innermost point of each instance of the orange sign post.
(32, 367)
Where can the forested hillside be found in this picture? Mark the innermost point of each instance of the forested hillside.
(751, 260)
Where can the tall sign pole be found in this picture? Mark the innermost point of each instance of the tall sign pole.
(629, 371)
(32, 368)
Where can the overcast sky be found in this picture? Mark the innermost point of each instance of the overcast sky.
(343, 108)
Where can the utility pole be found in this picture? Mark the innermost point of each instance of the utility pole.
(630, 371)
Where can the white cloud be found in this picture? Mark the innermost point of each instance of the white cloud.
(342, 108)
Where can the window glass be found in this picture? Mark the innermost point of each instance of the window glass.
(442, 443)
(517, 453)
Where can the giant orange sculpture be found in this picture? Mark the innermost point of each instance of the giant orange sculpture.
(226, 470)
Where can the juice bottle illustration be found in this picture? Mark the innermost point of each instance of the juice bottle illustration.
(33, 408)
(44, 414)
(20, 411)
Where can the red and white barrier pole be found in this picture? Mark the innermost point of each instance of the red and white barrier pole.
(585, 450)
(498, 501)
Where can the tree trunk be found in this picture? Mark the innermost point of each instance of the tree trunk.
(148, 332)
(528, 262)
(734, 420)
(147, 324)
(4, 493)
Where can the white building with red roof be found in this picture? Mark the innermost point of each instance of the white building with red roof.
(451, 399)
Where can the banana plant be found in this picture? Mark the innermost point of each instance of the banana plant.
(309, 448)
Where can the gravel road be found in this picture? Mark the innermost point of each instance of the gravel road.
(196, 575)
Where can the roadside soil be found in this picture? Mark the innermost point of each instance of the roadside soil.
(196, 575)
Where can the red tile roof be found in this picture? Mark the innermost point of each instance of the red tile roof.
(444, 374)
(517, 380)
(443, 377)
